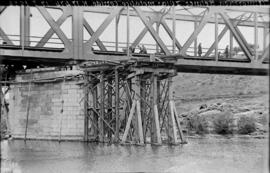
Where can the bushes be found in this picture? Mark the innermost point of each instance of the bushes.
(223, 123)
(197, 124)
(246, 125)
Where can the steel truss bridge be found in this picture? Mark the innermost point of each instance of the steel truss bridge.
(25, 48)
(128, 95)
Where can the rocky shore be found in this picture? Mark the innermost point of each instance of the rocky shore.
(223, 104)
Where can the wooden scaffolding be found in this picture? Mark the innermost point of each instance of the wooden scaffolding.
(131, 103)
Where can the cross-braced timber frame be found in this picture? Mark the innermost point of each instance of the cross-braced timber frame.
(131, 104)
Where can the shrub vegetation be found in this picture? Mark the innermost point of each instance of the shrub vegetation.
(223, 123)
(198, 124)
(246, 125)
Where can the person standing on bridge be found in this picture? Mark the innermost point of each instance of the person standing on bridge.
(143, 49)
(131, 49)
(226, 52)
(200, 49)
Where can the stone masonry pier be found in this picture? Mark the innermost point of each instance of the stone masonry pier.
(51, 103)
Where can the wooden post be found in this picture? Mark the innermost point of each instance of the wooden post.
(138, 123)
(167, 112)
(86, 99)
(129, 121)
(158, 95)
(95, 115)
(101, 123)
(174, 139)
(172, 127)
(109, 109)
(155, 129)
(182, 137)
(140, 130)
(157, 124)
(117, 115)
(143, 108)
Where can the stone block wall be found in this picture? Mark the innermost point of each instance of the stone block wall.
(54, 106)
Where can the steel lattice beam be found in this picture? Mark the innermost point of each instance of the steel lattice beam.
(181, 17)
(55, 27)
(102, 27)
(76, 49)
(152, 31)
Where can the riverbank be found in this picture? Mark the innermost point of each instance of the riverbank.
(232, 116)
(223, 104)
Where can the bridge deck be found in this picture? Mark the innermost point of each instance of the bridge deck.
(184, 64)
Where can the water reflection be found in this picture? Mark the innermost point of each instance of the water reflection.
(199, 155)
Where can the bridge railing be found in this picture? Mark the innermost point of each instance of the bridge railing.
(55, 42)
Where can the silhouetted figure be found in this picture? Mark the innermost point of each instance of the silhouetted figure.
(226, 52)
(200, 49)
(139, 47)
(142, 50)
(131, 49)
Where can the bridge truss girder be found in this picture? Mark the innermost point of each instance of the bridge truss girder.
(78, 49)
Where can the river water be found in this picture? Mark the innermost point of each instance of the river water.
(200, 155)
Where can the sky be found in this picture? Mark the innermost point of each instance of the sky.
(9, 22)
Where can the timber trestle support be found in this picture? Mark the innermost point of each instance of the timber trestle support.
(131, 103)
